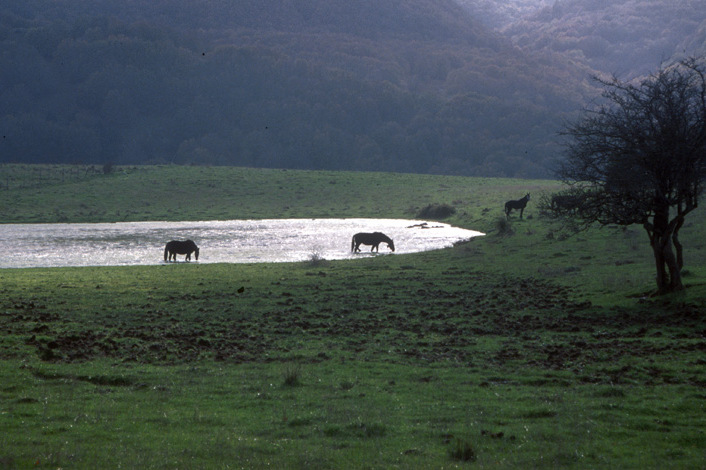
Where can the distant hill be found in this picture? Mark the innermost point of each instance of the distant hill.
(624, 37)
(394, 85)
(499, 14)
(406, 20)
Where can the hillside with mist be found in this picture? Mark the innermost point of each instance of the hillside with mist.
(498, 15)
(627, 38)
(410, 86)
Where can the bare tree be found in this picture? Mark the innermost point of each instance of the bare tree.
(640, 158)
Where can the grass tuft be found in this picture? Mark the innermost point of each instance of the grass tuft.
(462, 450)
(292, 375)
(316, 258)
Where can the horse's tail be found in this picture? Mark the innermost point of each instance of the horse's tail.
(166, 252)
(353, 243)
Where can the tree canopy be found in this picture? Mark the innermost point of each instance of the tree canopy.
(640, 158)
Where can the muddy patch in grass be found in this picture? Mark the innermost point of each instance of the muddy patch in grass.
(460, 316)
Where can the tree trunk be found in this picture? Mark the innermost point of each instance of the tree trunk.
(662, 277)
(672, 265)
(661, 234)
(677, 244)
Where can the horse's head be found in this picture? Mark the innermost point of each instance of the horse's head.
(196, 253)
(391, 245)
(528, 198)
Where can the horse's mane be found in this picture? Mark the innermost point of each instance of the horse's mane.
(384, 237)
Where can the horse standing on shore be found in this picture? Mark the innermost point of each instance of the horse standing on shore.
(519, 204)
(373, 239)
(177, 247)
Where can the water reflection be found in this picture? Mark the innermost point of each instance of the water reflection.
(232, 241)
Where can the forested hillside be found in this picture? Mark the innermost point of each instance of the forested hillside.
(498, 15)
(628, 38)
(411, 86)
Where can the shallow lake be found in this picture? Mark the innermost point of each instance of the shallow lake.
(232, 241)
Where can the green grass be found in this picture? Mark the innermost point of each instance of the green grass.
(528, 350)
(176, 193)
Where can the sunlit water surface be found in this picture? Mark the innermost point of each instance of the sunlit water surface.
(231, 241)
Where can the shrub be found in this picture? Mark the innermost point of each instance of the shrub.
(436, 211)
(503, 227)
(347, 385)
(316, 258)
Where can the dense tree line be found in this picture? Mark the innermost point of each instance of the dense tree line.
(105, 86)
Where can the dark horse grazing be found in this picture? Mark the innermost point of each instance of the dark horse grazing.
(519, 204)
(176, 247)
(566, 202)
(373, 239)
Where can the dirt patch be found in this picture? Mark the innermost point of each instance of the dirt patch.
(416, 319)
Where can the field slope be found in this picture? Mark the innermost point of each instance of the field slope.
(523, 348)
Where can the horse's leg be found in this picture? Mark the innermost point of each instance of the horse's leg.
(522, 209)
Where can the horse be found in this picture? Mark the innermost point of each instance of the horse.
(373, 239)
(519, 204)
(565, 202)
(177, 247)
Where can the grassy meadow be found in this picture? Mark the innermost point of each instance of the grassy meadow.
(531, 347)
